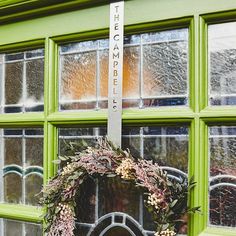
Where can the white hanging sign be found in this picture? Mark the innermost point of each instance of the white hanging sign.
(115, 72)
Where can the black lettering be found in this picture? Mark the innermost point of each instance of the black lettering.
(115, 37)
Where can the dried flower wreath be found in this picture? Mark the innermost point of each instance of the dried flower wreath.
(166, 198)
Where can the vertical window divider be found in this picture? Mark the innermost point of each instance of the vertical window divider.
(141, 196)
(97, 75)
(3, 85)
(23, 167)
(193, 49)
(203, 59)
(141, 74)
(2, 165)
(24, 90)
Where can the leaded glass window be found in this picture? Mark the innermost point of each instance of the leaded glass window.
(19, 228)
(155, 71)
(114, 202)
(222, 63)
(21, 166)
(222, 176)
(22, 81)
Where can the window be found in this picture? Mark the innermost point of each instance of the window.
(155, 71)
(178, 98)
(108, 198)
(21, 77)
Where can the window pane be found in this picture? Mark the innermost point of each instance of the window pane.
(166, 145)
(22, 81)
(78, 80)
(222, 66)
(21, 165)
(18, 228)
(165, 64)
(13, 83)
(155, 71)
(222, 176)
(34, 83)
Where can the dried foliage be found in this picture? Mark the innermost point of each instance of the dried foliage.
(166, 198)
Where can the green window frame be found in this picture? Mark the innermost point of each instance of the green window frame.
(29, 25)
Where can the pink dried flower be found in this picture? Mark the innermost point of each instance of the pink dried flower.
(64, 224)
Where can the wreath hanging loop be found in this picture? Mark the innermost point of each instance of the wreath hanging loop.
(166, 198)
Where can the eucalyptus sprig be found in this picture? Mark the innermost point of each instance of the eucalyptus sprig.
(166, 198)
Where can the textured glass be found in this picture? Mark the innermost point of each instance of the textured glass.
(167, 146)
(22, 165)
(165, 69)
(35, 53)
(33, 186)
(130, 75)
(13, 151)
(117, 230)
(33, 230)
(34, 81)
(34, 151)
(13, 83)
(75, 47)
(222, 66)
(155, 71)
(18, 228)
(12, 228)
(86, 202)
(167, 151)
(22, 81)
(118, 196)
(103, 73)
(78, 80)
(222, 176)
(14, 56)
(13, 188)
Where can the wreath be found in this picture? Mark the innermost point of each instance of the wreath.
(166, 198)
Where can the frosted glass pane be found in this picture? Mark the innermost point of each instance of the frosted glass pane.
(165, 69)
(104, 73)
(115, 196)
(222, 176)
(78, 80)
(20, 228)
(34, 152)
(131, 72)
(12, 228)
(222, 67)
(13, 83)
(155, 71)
(22, 81)
(33, 230)
(22, 165)
(34, 81)
(13, 188)
(33, 186)
(13, 151)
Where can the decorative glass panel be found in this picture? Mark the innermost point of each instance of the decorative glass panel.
(21, 165)
(155, 71)
(22, 81)
(222, 204)
(109, 199)
(222, 66)
(18, 228)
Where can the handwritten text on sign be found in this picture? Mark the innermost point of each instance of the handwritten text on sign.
(115, 71)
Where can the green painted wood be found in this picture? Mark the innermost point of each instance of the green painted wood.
(19, 212)
(83, 23)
